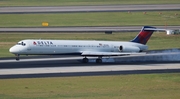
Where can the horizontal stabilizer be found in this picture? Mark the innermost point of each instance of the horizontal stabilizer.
(154, 29)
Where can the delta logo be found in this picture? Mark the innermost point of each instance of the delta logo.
(42, 43)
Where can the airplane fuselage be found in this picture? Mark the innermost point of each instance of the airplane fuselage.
(76, 47)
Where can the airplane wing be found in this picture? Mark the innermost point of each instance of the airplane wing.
(89, 53)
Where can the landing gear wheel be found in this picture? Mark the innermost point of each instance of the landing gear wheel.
(85, 60)
(17, 57)
(98, 60)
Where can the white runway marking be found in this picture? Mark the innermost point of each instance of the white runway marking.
(88, 69)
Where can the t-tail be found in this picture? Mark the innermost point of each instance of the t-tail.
(144, 35)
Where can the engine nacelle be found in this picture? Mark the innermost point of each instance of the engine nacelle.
(129, 49)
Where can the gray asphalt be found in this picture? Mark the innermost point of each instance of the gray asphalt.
(65, 62)
(151, 57)
(166, 61)
(82, 29)
(106, 8)
(73, 63)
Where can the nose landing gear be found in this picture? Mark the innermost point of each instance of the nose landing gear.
(17, 57)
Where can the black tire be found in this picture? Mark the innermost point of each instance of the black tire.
(85, 60)
(17, 58)
(98, 60)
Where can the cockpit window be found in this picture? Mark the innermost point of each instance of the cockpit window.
(21, 43)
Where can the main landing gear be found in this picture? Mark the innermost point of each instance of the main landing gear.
(85, 60)
(98, 60)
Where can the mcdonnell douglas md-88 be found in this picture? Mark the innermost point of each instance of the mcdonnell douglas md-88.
(84, 48)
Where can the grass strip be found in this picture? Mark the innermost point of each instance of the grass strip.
(149, 86)
(92, 19)
(80, 2)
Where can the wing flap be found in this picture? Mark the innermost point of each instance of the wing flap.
(89, 53)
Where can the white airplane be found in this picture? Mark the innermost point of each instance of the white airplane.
(84, 48)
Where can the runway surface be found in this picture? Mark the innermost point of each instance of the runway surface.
(166, 61)
(82, 29)
(106, 8)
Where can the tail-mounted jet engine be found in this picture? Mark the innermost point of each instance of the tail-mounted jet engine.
(129, 49)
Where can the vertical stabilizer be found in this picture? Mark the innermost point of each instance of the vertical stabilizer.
(144, 35)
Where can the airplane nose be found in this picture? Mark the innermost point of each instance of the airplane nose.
(14, 50)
